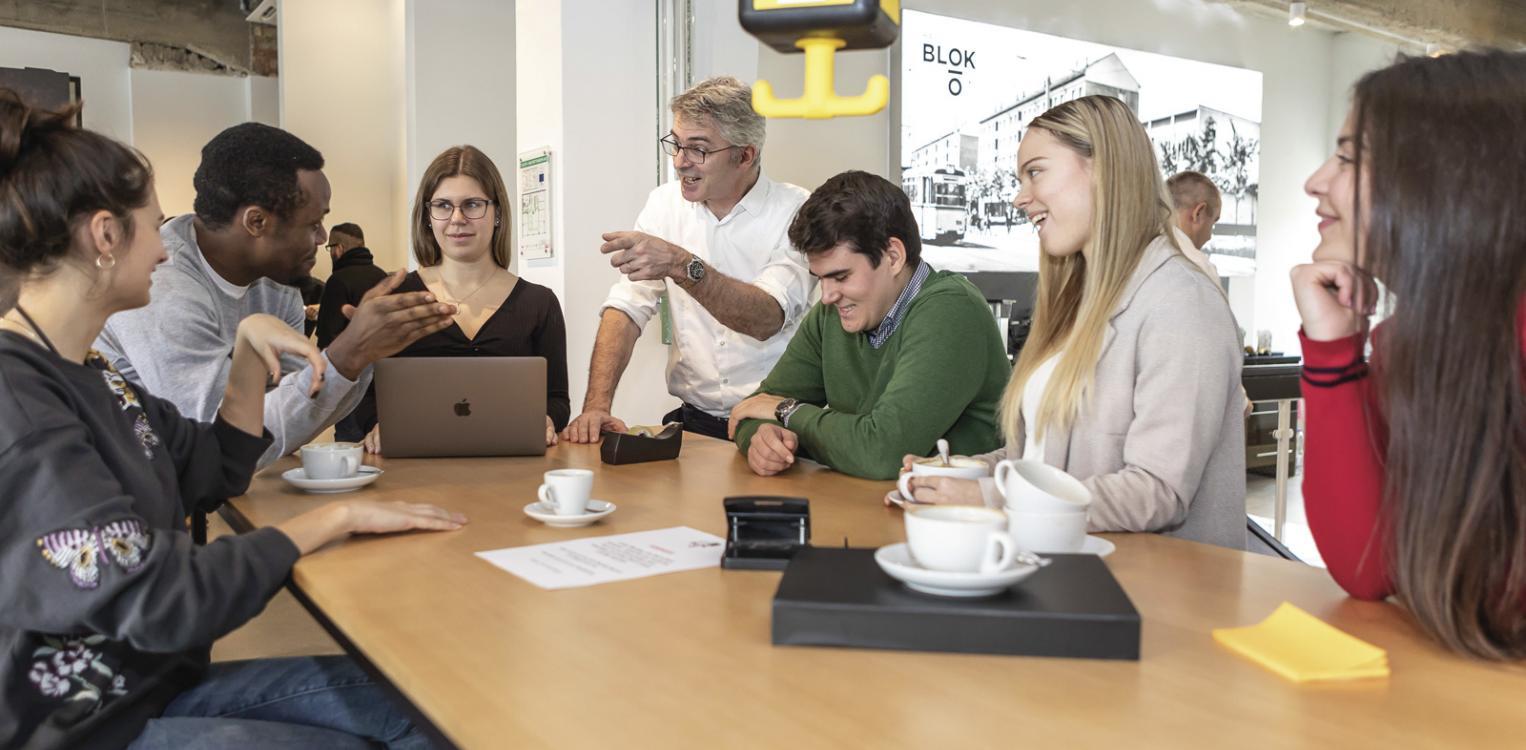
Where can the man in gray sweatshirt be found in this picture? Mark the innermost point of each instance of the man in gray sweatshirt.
(260, 201)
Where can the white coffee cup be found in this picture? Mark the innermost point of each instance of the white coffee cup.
(1047, 532)
(566, 490)
(960, 467)
(959, 538)
(1037, 487)
(331, 460)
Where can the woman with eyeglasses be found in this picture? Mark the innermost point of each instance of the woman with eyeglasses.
(461, 241)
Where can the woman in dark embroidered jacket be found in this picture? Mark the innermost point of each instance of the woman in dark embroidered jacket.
(107, 610)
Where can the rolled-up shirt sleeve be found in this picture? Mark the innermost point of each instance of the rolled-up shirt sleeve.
(787, 279)
(638, 299)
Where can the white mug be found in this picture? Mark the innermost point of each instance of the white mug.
(566, 490)
(959, 538)
(1037, 487)
(1047, 532)
(331, 460)
(959, 467)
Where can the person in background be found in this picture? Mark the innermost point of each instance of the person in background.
(1415, 459)
(1196, 206)
(714, 241)
(110, 609)
(1130, 379)
(355, 273)
(311, 290)
(260, 201)
(462, 242)
(868, 376)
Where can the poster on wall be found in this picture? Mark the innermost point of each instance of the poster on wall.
(969, 90)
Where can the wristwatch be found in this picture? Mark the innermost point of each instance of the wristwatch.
(695, 270)
(785, 408)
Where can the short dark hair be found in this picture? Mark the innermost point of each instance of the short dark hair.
(861, 209)
(251, 165)
(350, 229)
(51, 174)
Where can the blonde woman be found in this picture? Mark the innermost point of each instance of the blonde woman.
(1130, 379)
(461, 240)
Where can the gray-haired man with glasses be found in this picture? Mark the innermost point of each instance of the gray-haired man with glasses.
(716, 241)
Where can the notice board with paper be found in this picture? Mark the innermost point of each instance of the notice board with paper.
(535, 204)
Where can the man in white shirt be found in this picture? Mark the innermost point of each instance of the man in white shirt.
(716, 241)
(1197, 204)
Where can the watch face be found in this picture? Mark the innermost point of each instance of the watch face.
(696, 270)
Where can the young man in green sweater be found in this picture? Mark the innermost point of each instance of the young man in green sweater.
(895, 356)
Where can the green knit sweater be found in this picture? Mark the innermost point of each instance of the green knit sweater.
(941, 374)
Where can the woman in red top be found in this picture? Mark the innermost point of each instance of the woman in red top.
(1415, 473)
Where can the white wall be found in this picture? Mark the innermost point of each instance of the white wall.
(100, 65)
(1305, 72)
(175, 113)
(342, 73)
(461, 86)
(587, 88)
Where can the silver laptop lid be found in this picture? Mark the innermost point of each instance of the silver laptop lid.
(462, 406)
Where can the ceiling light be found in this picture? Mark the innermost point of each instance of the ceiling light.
(1296, 12)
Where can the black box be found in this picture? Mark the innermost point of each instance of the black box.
(622, 448)
(840, 597)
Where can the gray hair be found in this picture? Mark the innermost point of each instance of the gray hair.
(727, 103)
(1191, 188)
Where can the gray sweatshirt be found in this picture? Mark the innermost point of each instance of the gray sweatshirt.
(179, 347)
(107, 609)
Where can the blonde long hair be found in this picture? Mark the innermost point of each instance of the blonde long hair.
(1077, 293)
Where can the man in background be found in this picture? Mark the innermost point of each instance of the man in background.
(355, 273)
(1196, 203)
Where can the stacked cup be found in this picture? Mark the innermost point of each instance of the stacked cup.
(1046, 508)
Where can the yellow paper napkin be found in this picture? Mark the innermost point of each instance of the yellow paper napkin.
(1302, 648)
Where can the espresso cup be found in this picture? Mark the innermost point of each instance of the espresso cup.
(1047, 532)
(331, 460)
(1037, 487)
(566, 490)
(959, 467)
(959, 538)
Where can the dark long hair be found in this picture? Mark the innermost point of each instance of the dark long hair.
(1441, 141)
(51, 175)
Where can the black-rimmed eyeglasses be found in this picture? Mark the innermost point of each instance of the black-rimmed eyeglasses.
(471, 208)
(696, 154)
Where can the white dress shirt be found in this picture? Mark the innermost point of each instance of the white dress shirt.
(711, 366)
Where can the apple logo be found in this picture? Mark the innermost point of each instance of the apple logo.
(463, 408)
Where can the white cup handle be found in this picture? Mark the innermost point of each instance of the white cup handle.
(1003, 468)
(1004, 555)
(351, 465)
(904, 485)
(547, 496)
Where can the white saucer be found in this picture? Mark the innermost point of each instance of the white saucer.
(597, 509)
(1094, 545)
(298, 478)
(896, 561)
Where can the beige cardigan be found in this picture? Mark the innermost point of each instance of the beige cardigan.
(1161, 444)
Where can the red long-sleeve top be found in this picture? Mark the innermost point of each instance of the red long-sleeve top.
(1344, 443)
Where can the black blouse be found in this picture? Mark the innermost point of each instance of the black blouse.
(527, 324)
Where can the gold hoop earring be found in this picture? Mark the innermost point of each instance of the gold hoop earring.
(106, 262)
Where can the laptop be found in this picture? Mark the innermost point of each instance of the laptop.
(462, 406)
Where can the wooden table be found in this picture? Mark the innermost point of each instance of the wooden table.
(684, 660)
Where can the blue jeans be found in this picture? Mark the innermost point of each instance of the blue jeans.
(311, 701)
